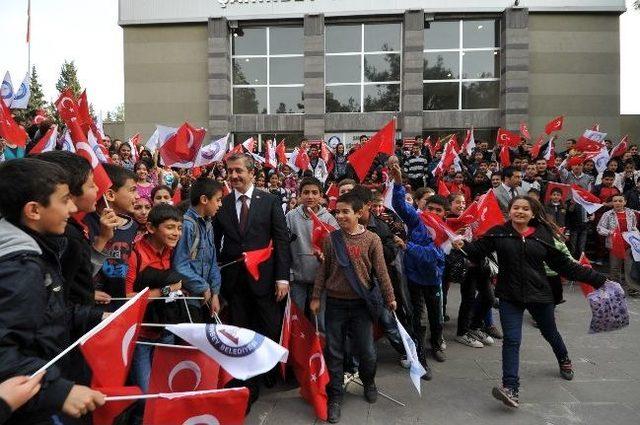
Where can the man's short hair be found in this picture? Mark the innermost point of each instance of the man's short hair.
(248, 160)
(310, 181)
(163, 212)
(439, 200)
(508, 172)
(27, 180)
(203, 186)
(77, 167)
(363, 193)
(345, 182)
(351, 199)
(608, 173)
(421, 191)
(118, 175)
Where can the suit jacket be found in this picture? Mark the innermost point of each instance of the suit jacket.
(504, 197)
(266, 223)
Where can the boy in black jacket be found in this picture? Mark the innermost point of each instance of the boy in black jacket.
(35, 321)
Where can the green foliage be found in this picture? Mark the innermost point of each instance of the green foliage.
(117, 115)
(69, 78)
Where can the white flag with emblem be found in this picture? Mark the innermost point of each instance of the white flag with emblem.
(6, 90)
(67, 143)
(416, 370)
(633, 239)
(213, 152)
(241, 352)
(22, 95)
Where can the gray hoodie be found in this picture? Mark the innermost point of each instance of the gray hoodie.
(304, 265)
(12, 239)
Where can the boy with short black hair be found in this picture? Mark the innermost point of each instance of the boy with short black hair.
(195, 254)
(35, 320)
(346, 312)
(121, 197)
(305, 260)
(556, 209)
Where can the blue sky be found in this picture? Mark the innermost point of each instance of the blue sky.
(87, 32)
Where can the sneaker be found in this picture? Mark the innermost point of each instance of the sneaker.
(493, 331)
(439, 356)
(506, 395)
(404, 362)
(333, 412)
(469, 341)
(428, 375)
(371, 393)
(482, 337)
(566, 369)
(443, 344)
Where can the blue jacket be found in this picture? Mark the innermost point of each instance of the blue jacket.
(201, 273)
(423, 260)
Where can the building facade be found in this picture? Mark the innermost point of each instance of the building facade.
(335, 69)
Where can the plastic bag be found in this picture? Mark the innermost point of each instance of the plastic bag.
(609, 308)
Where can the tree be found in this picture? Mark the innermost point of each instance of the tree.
(69, 78)
(117, 115)
(36, 101)
(637, 4)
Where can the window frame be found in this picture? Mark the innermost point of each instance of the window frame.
(268, 56)
(362, 53)
(461, 51)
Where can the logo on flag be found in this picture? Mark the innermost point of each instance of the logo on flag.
(234, 342)
(6, 90)
(416, 370)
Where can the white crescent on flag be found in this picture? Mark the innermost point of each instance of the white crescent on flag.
(126, 343)
(185, 365)
(202, 420)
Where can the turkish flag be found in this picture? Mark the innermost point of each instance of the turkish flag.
(84, 115)
(212, 407)
(109, 412)
(554, 125)
(565, 188)
(9, 128)
(302, 160)
(618, 244)
(443, 190)
(133, 143)
(440, 232)
(467, 217)
(85, 150)
(437, 147)
(47, 142)
(620, 148)
(67, 106)
(469, 143)
(327, 156)
(381, 142)
(508, 138)
(237, 149)
(585, 194)
(176, 369)
(253, 259)
(429, 145)
(535, 149)
(584, 144)
(40, 116)
(183, 145)
(585, 287)
(319, 231)
(449, 157)
(280, 153)
(332, 193)
(488, 214)
(314, 378)
(524, 131)
(108, 348)
(454, 143)
(505, 156)
(301, 331)
(249, 144)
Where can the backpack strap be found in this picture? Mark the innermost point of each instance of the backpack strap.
(194, 244)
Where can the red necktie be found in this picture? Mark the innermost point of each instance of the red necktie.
(244, 213)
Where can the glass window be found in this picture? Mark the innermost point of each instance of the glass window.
(481, 95)
(381, 97)
(382, 67)
(358, 80)
(440, 96)
(461, 73)
(343, 38)
(342, 69)
(250, 41)
(286, 70)
(286, 40)
(382, 37)
(480, 64)
(442, 35)
(286, 100)
(480, 33)
(250, 100)
(268, 70)
(441, 65)
(251, 71)
(343, 98)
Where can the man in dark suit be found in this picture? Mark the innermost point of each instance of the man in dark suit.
(250, 219)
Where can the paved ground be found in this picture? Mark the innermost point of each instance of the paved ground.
(606, 389)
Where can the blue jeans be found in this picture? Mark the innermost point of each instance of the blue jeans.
(511, 319)
(348, 316)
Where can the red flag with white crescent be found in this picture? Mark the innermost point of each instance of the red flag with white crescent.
(85, 150)
(524, 131)
(253, 259)
(621, 147)
(47, 142)
(280, 153)
(177, 369)
(554, 125)
(508, 138)
(319, 231)
(109, 412)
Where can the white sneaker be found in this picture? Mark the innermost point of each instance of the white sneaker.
(469, 341)
(482, 337)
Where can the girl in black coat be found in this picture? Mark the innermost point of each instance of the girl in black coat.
(523, 245)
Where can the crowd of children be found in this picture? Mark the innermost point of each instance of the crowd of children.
(154, 227)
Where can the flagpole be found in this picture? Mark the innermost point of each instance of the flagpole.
(158, 344)
(169, 395)
(29, 37)
(56, 358)
(159, 298)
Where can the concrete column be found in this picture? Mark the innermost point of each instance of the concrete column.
(219, 78)
(514, 75)
(412, 67)
(314, 76)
